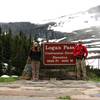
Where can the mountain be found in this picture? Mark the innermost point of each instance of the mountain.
(94, 9)
(36, 30)
(77, 21)
(58, 27)
(16, 27)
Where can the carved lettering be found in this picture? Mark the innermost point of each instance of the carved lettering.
(53, 48)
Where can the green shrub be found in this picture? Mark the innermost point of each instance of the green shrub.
(65, 98)
(9, 79)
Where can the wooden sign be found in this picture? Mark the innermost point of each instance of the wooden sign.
(58, 54)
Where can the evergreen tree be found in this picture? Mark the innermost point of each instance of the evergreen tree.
(14, 50)
(20, 51)
(0, 31)
(0, 45)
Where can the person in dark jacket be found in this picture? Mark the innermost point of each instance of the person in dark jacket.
(35, 56)
(80, 52)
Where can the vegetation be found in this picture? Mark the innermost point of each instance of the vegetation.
(65, 98)
(94, 75)
(10, 79)
(13, 51)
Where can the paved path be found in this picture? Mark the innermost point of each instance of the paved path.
(52, 89)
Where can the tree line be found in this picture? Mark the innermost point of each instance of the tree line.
(14, 51)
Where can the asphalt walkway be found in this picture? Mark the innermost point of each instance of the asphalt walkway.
(52, 89)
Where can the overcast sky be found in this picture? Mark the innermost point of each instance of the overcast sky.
(38, 10)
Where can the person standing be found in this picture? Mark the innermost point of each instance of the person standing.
(35, 56)
(80, 52)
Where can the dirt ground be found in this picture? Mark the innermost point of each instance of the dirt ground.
(76, 89)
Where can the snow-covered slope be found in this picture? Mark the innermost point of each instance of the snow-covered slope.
(76, 21)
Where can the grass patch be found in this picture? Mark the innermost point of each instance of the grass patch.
(9, 79)
(65, 98)
(94, 77)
